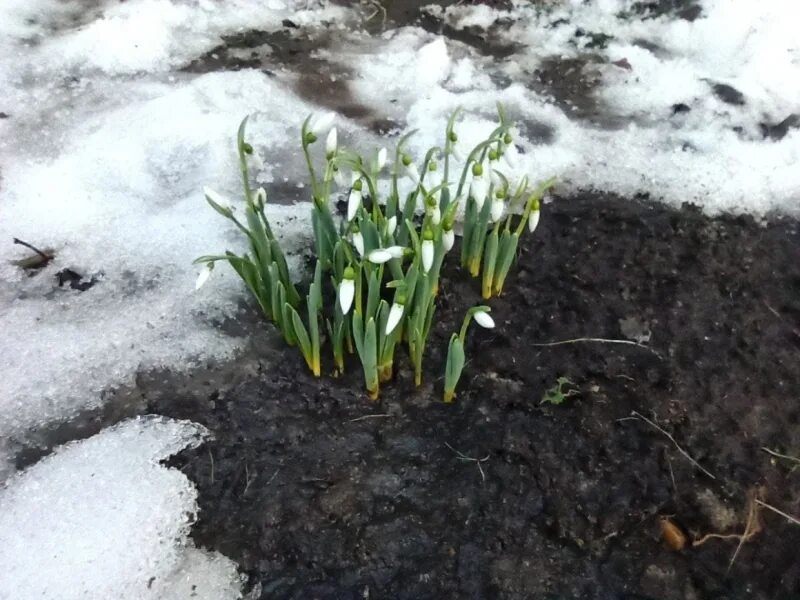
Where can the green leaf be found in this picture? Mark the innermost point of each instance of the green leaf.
(455, 365)
(302, 335)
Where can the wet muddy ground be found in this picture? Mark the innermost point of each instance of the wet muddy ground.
(318, 493)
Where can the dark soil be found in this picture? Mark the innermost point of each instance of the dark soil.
(318, 493)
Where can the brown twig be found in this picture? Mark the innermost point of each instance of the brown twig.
(44, 255)
(637, 415)
(599, 341)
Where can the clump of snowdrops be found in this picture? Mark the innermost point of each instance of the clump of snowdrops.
(376, 272)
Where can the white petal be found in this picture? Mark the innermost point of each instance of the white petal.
(378, 257)
(391, 225)
(448, 239)
(340, 178)
(395, 314)
(396, 251)
(478, 190)
(254, 162)
(331, 143)
(353, 203)
(497, 209)
(347, 290)
(457, 154)
(413, 173)
(203, 276)
(427, 255)
(382, 158)
(436, 215)
(358, 243)
(533, 220)
(496, 179)
(483, 319)
(321, 123)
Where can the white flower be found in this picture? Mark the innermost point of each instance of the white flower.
(436, 215)
(347, 291)
(395, 314)
(319, 124)
(391, 225)
(331, 144)
(353, 203)
(511, 158)
(455, 148)
(483, 319)
(478, 189)
(380, 256)
(413, 173)
(358, 243)
(340, 178)
(448, 239)
(497, 181)
(260, 199)
(254, 162)
(204, 275)
(395, 251)
(382, 157)
(427, 255)
(533, 220)
(497, 209)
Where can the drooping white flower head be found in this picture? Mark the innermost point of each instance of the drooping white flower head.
(358, 242)
(321, 123)
(353, 203)
(427, 255)
(533, 220)
(254, 162)
(497, 209)
(395, 313)
(340, 177)
(204, 275)
(396, 251)
(479, 189)
(383, 155)
(379, 256)
(448, 239)
(331, 143)
(483, 319)
(436, 215)
(413, 172)
(217, 198)
(347, 290)
(391, 225)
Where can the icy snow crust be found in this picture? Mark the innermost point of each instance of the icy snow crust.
(108, 142)
(101, 519)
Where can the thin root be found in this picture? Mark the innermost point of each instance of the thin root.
(599, 341)
(477, 461)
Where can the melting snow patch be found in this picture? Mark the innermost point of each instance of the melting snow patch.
(101, 518)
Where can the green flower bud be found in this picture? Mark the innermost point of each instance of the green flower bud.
(406, 160)
(507, 139)
(452, 137)
(349, 273)
(358, 185)
(477, 169)
(492, 154)
(247, 148)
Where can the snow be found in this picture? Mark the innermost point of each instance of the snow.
(109, 140)
(100, 518)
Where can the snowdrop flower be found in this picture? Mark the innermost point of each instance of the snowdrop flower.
(391, 225)
(395, 313)
(380, 256)
(358, 242)
(382, 157)
(497, 209)
(411, 169)
(483, 319)
(396, 251)
(354, 201)
(511, 158)
(533, 218)
(432, 210)
(448, 239)
(331, 144)
(511, 135)
(340, 177)
(427, 250)
(217, 198)
(319, 124)
(479, 188)
(204, 275)
(436, 215)
(347, 290)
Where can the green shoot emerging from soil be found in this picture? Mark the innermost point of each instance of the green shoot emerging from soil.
(376, 272)
(557, 394)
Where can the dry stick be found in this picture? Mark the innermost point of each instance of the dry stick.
(32, 247)
(377, 416)
(752, 522)
(599, 341)
(779, 455)
(638, 415)
(778, 511)
(478, 461)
